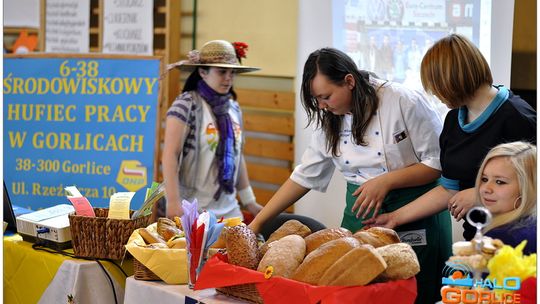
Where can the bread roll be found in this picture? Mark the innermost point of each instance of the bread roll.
(166, 228)
(401, 262)
(288, 228)
(318, 261)
(177, 242)
(316, 239)
(242, 248)
(377, 236)
(359, 266)
(150, 237)
(284, 256)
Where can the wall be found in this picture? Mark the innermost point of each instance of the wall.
(268, 27)
(524, 46)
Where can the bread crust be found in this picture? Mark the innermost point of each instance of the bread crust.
(284, 256)
(316, 239)
(317, 262)
(359, 266)
(288, 228)
(242, 249)
(401, 260)
(377, 236)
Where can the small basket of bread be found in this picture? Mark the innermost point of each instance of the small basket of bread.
(102, 237)
(329, 266)
(159, 252)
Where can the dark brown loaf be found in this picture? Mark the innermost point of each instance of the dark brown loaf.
(317, 262)
(359, 266)
(284, 255)
(401, 261)
(316, 239)
(288, 228)
(377, 236)
(242, 249)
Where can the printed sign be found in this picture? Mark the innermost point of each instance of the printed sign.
(86, 121)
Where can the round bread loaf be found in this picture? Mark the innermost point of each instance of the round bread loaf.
(242, 249)
(317, 262)
(359, 266)
(401, 262)
(316, 239)
(288, 228)
(377, 236)
(284, 255)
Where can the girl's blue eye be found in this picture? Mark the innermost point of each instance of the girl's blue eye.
(483, 179)
(500, 182)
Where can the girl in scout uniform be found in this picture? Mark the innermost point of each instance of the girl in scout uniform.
(202, 154)
(383, 138)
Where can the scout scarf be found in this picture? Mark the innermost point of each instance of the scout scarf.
(225, 151)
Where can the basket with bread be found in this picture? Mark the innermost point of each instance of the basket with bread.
(328, 266)
(159, 252)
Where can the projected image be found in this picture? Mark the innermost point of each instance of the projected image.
(390, 37)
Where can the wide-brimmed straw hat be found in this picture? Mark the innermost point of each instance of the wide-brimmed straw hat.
(216, 53)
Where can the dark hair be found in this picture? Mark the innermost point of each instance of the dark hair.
(335, 65)
(453, 69)
(193, 79)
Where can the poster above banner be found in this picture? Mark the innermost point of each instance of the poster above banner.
(88, 121)
(67, 26)
(128, 27)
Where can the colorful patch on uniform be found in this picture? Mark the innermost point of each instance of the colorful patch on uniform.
(212, 136)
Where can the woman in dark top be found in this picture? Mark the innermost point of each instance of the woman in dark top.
(506, 186)
(482, 116)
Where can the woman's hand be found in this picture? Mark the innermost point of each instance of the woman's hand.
(370, 196)
(461, 203)
(382, 220)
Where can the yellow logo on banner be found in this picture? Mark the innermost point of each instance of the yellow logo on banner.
(132, 175)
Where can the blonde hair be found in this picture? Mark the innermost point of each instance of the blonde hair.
(522, 156)
(453, 69)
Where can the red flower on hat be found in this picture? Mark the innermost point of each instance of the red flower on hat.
(240, 49)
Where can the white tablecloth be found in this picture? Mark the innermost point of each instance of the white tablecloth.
(145, 292)
(85, 280)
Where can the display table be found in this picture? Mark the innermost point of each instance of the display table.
(34, 276)
(158, 292)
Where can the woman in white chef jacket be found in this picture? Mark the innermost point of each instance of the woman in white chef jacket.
(383, 138)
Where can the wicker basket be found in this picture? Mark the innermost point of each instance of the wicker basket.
(246, 292)
(101, 237)
(141, 272)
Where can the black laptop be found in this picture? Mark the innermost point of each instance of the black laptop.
(9, 215)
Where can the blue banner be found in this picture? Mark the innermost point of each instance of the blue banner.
(83, 121)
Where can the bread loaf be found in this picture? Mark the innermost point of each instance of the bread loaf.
(401, 262)
(316, 239)
(288, 228)
(284, 256)
(359, 266)
(166, 228)
(242, 249)
(317, 262)
(377, 236)
(150, 237)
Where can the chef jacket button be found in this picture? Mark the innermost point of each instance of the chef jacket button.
(345, 142)
(383, 169)
(376, 132)
(347, 162)
(379, 153)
